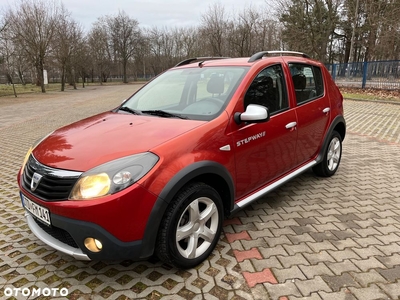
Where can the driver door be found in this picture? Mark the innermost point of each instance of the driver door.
(264, 151)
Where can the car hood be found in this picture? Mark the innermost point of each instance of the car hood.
(105, 137)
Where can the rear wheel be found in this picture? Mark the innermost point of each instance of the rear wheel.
(191, 226)
(331, 160)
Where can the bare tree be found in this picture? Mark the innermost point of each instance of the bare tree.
(65, 44)
(100, 51)
(82, 60)
(189, 38)
(21, 64)
(253, 30)
(244, 29)
(142, 59)
(124, 35)
(162, 49)
(7, 55)
(76, 37)
(33, 24)
(214, 27)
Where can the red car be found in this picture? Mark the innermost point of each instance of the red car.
(158, 174)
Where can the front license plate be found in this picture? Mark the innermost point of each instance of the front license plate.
(40, 212)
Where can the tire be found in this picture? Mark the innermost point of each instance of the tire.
(191, 226)
(332, 156)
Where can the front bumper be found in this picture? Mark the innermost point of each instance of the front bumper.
(68, 235)
(53, 242)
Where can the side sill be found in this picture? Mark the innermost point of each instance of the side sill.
(52, 242)
(267, 189)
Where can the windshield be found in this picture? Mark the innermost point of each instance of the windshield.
(194, 93)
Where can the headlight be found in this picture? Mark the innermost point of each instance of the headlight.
(113, 176)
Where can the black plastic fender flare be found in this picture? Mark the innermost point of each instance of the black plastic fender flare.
(184, 176)
(335, 122)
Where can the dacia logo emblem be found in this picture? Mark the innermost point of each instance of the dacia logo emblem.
(35, 181)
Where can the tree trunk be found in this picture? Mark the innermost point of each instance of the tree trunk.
(10, 80)
(62, 79)
(125, 63)
(74, 79)
(21, 77)
(40, 78)
(83, 79)
(15, 92)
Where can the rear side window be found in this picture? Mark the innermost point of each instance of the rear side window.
(307, 81)
(268, 89)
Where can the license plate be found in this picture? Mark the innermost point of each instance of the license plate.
(38, 211)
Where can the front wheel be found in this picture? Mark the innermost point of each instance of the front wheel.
(191, 226)
(331, 160)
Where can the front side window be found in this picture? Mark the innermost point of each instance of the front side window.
(307, 81)
(192, 93)
(268, 89)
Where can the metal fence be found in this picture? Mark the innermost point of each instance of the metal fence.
(375, 74)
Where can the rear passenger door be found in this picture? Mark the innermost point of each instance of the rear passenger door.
(312, 108)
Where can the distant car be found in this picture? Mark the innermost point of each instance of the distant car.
(158, 174)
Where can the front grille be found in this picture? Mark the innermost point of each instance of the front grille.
(59, 234)
(54, 185)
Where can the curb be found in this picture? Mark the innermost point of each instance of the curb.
(376, 101)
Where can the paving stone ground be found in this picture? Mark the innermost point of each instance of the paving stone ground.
(313, 238)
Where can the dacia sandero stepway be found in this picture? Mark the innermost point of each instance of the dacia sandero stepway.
(158, 174)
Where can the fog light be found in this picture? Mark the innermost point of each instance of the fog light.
(93, 245)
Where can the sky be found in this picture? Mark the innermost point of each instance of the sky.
(149, 13)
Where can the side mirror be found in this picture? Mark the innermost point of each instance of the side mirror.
(254, 114)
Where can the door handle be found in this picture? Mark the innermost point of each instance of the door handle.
(326, 110)
(291, 125)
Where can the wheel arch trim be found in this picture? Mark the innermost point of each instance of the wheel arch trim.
(177, 182)
(338, 121)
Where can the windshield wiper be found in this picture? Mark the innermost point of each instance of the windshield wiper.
(130, 110)
(162, 113)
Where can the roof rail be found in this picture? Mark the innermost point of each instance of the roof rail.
(261, 54)
(200, 59)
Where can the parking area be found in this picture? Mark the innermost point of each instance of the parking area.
(313, 238)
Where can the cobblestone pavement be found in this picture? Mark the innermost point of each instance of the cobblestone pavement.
(313, 238)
